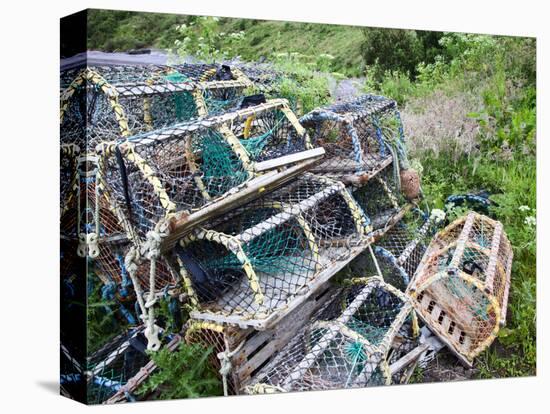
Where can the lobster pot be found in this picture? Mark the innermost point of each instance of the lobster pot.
(191, 165)
(88, 214)
(71, 378)
(109, 266)
(359, 136)
(104, 103)
(461, 287)
(403, 246)
(252, 349)
(110, 368)
(68, 176)
(382, 201)
(222, 87)
(251, 266)
(344, 346)
(263, 76)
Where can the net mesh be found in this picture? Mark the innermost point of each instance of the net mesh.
(345, 345)
(185, 167)
(461, 287)
(104, 103)
(360, 136)
(259, 257)
(381, 199)
(113, 365)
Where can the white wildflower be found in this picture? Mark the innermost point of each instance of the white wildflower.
(530, 221)
(437, 215)
(524, 208)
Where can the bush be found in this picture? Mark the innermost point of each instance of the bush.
(184, 373)
(390, 50)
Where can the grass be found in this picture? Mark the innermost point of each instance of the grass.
(120, 31)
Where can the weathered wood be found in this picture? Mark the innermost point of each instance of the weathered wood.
(289, 159)
(299, 298)
(181, 223)
(504, 305)
(409, 358)
(144, 373)
(493, 259)
(462, 239)
(444, 340)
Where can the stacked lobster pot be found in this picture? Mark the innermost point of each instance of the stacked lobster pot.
(223, 147)
(170, 180)
(345, 345)
(257, 275)
(110, 103)
(462, 284)
(181, 187)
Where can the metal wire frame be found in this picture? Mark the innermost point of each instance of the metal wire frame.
(249, 267)
(461, 287)
(360, 136)
(190, 166)
(344, 346)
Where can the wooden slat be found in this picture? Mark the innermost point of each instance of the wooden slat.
(289, 159)
(462, 239)
(493, 258)
(181, 223)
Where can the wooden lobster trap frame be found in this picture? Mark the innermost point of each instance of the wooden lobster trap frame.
(185, 174)
(267, 257)
(360, 136)
(341, 349)
(461, 287)
(250, 350)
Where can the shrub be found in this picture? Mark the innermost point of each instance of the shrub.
(184, 373)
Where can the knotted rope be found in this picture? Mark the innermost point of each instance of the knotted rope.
(225, 360)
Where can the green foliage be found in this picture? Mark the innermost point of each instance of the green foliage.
(102, 321)
(390, 50)
(113, 30)
(203, 39)
(184, 373)
(304, 88)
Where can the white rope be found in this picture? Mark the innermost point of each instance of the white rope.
(226, 366)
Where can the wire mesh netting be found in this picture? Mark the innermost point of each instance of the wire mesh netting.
(382, 200)
(345, 345)
(110, 267)
(185, 167)
(258, 258)
(461, 286)
(403, 246)
(112, 366)
(360, 136)
(108, 102)
(87, 213)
